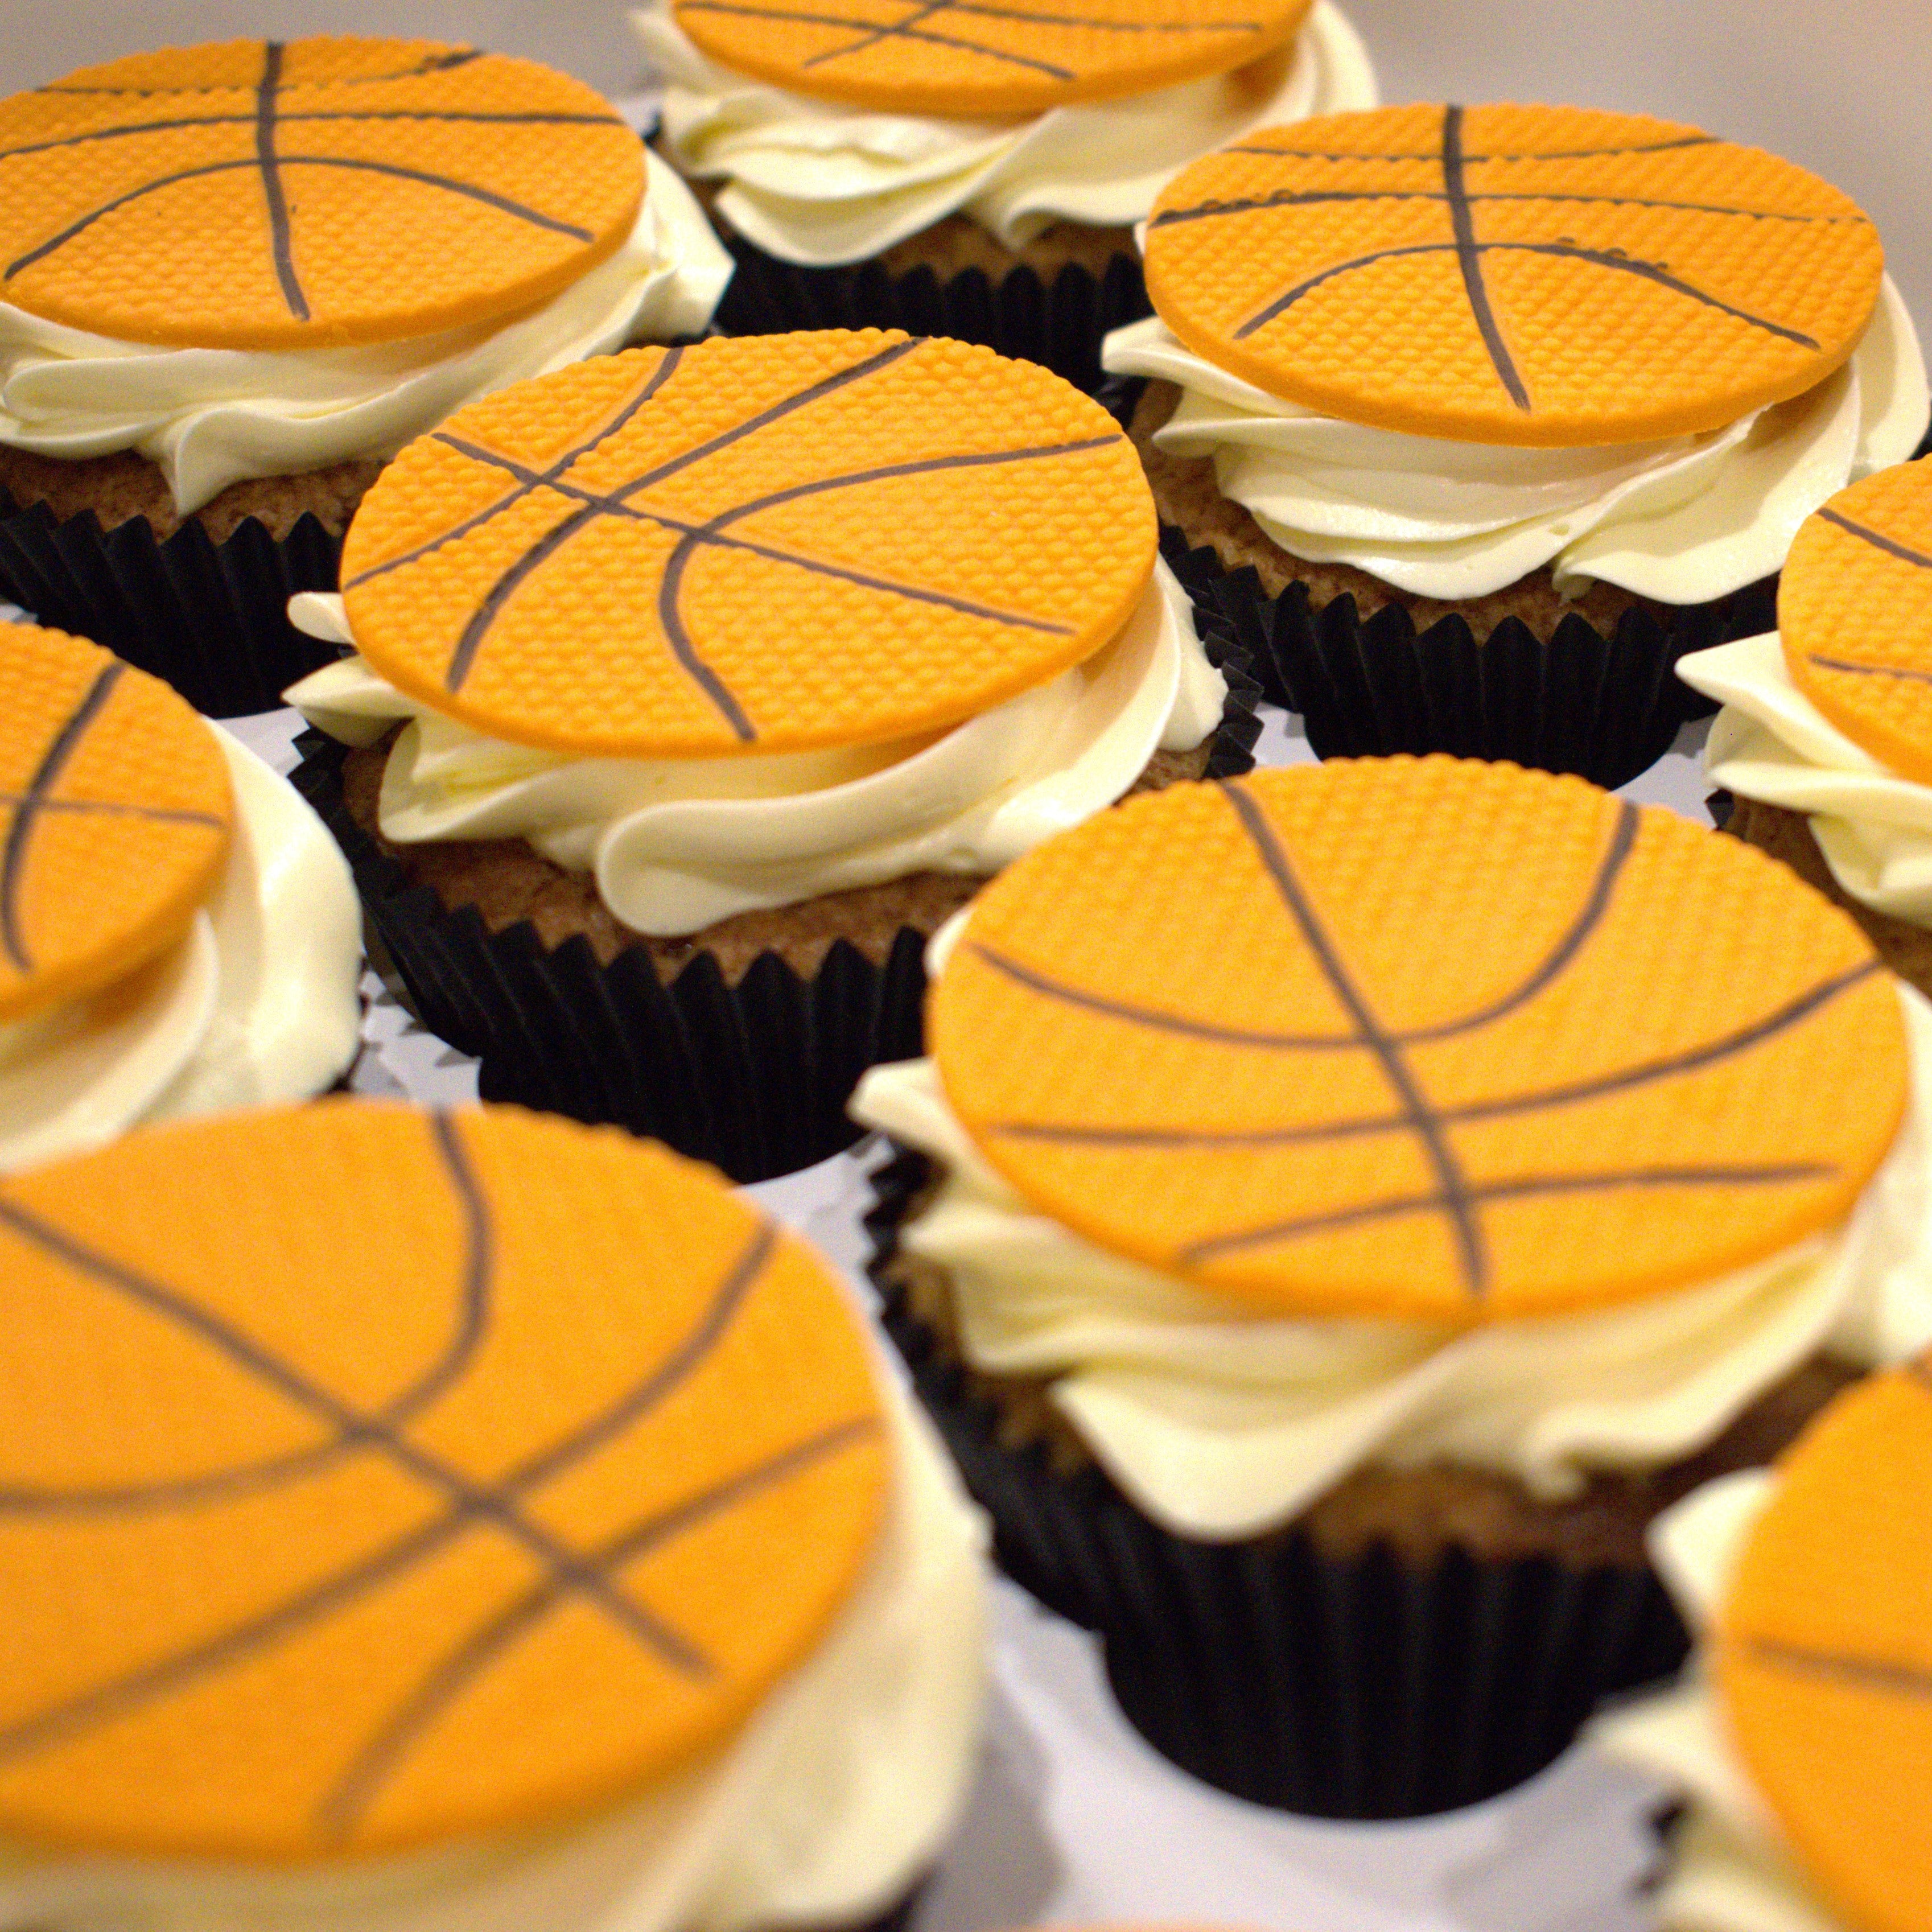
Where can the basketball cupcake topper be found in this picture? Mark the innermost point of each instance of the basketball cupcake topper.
(1855, 613)
(1419, 1040)
(958, 57)
(115, 804)
(772, 544)
(1537, 276)
(263, 195)
(1823, 1656)
(420, 1536)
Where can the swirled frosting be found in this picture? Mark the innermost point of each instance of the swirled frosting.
(676, 844)
(823, 1810)
(258, 1004)
(212, 417)
(1684, 521)
(1770, 741)
(1732, 1871)
(816, 182)
(1221, 1425)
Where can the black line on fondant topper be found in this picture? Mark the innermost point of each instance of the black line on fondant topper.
(26, 814)
(925, 10)
(1568, 251)
(909, 33)
(1468, 258)
(1667, 1066)
(443, 63)
(349, 1802)
(281, 243)
(1288, 197)
(1905, 671)
(1475, 161)
(1878, 539)
(471, 1505)
(1596, 903)
(1429, 1131)
(1857, 1673)
(1525, 1187)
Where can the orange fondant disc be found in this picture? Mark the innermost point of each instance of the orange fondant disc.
(374, 1478)
(1421, 1039)
(115, 804)
(772, 544)
(1855, 611)
(957, 57)
(1823, 1656)
(265, 194)
(1540, 276)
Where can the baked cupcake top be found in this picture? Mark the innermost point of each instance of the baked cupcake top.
(254, 194)
(117, 809)
(968, 60)
(1855, 614)
(1419, 1039)
(1822, 1657)
(420, 1536)
(590, 562)
(1527, 275)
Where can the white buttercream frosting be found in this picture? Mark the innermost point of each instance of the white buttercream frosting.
(822, 1811)
(1684, 521)
(1221, 1424)
(1731, 1869)
(676, 845)
(1770, 741)
(819, 182)
(212, 417)
(258, 1004)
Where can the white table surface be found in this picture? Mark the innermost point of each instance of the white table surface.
(1073, 1819)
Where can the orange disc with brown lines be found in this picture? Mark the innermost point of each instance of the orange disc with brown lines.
(1547, 277)
(957, 57)
(1419, 1039)
(115, 816)
(256, 194)
(768, 543)
(416, 1535)
(1823, 1660)
(1855, 613)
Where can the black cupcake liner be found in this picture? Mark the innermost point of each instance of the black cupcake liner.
(211, 618)
(1607, 707)
(753, 1078)
(1057, 322)
(1368, 1689)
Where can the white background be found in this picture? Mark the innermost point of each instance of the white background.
(1073, 1819)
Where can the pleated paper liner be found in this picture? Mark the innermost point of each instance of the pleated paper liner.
(752, 1077)
(210, 618)
(1058, 322)
(1367, 1689)
(1607, 707)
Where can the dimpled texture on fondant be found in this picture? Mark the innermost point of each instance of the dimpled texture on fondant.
(955, 57)
(770, 544)
(256, 194)
(376, 1478)
(1823, 1656)
(1425, 1039)
(1855, 614)
(1536, 276)
(114, 814)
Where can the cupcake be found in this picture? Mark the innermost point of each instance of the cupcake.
(1825, 739)
(178, 933)
(1479, 419)
(724, 676)
(1340, 1212)
(1799, 1742)
(986, 165)
(520, 1532)
(235, 279)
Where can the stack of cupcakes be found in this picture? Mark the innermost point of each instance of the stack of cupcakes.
(965, 170)
(235, 279)
(724, 676)
(1494, 412)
